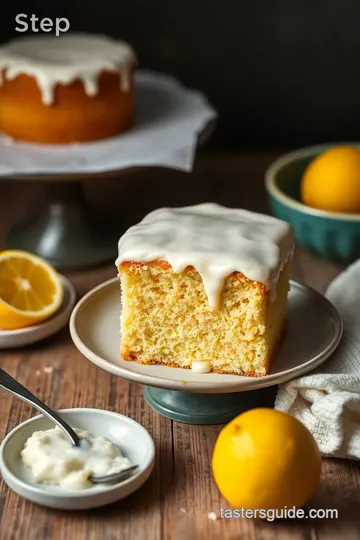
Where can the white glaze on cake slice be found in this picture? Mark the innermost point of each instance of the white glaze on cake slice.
(213, 239)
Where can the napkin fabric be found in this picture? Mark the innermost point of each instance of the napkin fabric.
(327, 401)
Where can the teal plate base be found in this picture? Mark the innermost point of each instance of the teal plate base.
(204, 409)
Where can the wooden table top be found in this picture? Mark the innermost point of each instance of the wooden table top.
(176, 501)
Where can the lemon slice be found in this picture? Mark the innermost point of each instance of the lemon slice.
(30, 290)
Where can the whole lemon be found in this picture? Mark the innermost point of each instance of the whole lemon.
(266, 460)
(332, 181)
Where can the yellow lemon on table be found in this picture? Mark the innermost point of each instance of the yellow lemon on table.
(332, 181)
(266, 460)
(30, 290)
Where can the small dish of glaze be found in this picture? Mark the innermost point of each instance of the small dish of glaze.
(131, 438)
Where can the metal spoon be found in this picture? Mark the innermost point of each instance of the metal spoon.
(14, 387)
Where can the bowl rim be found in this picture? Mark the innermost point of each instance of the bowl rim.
(283, 160)
(37, 490)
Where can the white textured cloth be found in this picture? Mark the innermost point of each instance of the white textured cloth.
(169, 118)
(328, 400)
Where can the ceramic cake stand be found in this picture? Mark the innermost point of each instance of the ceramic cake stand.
(67, 232)
(170, 119)
(314, 331)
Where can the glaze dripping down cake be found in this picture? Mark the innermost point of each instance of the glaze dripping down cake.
(205, 287)
(69, 89)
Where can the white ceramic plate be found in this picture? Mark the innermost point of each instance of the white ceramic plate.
(27, 336)
(132, 439)
(314, 331)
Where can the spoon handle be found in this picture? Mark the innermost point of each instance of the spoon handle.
(13, 386)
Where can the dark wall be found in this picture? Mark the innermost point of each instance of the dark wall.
(281, 73)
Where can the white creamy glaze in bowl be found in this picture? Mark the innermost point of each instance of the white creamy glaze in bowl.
(132, 439)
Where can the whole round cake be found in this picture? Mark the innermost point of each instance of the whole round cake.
(69, 89)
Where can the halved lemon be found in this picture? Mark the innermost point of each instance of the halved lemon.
(30, 290)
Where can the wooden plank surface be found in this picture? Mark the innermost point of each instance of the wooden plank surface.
(175, 502)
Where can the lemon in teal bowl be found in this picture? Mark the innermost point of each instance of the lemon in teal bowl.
(317, 191)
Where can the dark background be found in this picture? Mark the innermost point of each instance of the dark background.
(280, 73)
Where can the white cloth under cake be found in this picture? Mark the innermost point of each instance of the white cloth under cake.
(328, 400)
(169, 120)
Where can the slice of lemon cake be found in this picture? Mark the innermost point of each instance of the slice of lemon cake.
(205, 287)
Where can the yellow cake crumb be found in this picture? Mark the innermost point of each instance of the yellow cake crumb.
(166, 319)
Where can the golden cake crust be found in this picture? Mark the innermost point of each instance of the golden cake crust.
(74, 117)
(166, 266)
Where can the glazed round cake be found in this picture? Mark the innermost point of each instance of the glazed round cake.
(69, 89)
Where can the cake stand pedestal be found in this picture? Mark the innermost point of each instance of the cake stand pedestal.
(314, 331)
(206, 408)
(67, 233)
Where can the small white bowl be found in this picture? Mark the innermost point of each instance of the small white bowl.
(26, 336)
(133, 440)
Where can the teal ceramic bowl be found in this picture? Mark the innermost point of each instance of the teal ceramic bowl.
(331, 235)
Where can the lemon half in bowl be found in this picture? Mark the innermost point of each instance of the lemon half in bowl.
(31, 290)
(332, 235)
